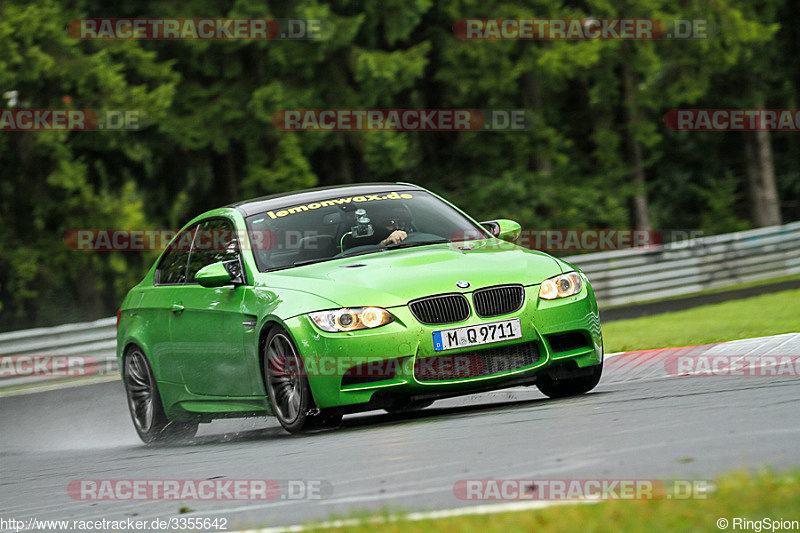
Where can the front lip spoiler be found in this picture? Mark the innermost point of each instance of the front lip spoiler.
(386, 397)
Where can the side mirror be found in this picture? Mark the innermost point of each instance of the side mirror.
(504, 229)
(213, 275)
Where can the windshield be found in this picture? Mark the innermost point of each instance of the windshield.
(354, 225)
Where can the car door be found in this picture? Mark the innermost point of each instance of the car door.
(156, 305)
(209, 329)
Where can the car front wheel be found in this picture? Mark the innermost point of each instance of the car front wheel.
(288, 389)
(144, 403)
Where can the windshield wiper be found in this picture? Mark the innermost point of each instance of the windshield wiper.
(320, 260)
(311, 261)
(361, 252)
(401, 244)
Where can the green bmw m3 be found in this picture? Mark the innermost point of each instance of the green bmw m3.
(319, 303)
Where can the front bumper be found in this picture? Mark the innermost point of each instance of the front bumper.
(398, 345)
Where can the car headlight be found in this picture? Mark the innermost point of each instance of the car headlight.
(350, 319)
(561, 286)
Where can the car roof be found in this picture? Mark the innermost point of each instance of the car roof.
(274, 201)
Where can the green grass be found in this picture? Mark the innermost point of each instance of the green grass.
(769, 314)
(755, 497)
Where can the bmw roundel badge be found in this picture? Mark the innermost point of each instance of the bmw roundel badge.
(462, 284)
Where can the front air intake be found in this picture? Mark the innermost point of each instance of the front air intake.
(478, 363)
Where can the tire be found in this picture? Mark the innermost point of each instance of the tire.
(564, 386)
(145, 406)
(408, 406)
(287, 387)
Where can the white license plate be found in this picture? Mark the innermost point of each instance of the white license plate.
(465, 336)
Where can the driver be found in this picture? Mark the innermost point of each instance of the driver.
(391, 227)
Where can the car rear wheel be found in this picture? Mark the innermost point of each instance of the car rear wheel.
(287, 387)
(562, 385)
(144, 403)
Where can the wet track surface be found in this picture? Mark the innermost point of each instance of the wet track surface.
(638, 423)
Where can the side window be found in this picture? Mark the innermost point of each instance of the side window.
(215, 241)
(172, 267)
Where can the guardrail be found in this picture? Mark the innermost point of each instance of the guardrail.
(635, 275)
(90, 341)
(618, 277)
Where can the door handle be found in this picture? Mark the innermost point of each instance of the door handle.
(177, 309)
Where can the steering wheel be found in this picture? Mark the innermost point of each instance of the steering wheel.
(420, 237)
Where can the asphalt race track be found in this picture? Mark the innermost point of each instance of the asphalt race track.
(640, 422)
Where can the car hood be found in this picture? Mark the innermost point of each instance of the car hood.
(394, 277)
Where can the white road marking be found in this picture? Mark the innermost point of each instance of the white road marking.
(44, 387)
(508, 507)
